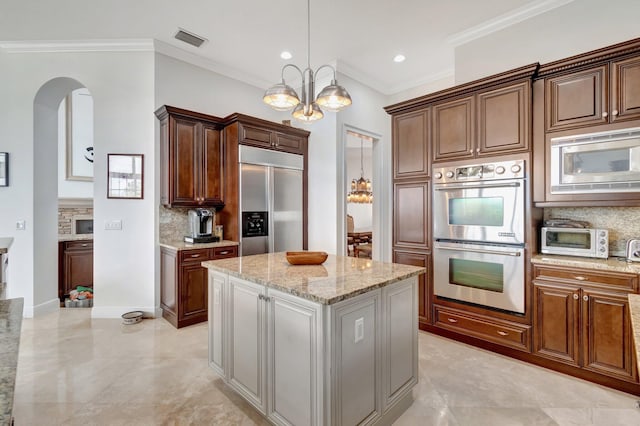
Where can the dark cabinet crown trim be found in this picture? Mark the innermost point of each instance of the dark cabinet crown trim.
(525, 72)
(265, 124)
(590, 58)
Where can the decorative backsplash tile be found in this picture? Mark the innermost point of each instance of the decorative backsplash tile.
(67, 214)
(623, 223)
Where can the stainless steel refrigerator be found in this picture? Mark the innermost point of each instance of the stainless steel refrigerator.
(271, 190)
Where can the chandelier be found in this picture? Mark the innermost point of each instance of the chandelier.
(282, 97)
(360, 188)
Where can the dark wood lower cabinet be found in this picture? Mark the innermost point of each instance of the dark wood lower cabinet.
(183, 283)
(75, 265)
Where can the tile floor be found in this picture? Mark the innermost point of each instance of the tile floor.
(74, 370)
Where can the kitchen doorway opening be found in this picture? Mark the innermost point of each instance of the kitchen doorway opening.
(360, 188)
(60, 175)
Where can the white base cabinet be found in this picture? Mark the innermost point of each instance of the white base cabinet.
(303, 363)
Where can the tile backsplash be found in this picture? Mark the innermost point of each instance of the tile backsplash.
(66, 215)
(623, 223)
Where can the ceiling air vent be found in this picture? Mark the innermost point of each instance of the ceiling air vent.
(190, 38)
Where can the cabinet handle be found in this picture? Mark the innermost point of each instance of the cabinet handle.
(604, 114)
(575, 296)
(503, 333)
(477, 149)
(260, 297)
(452, 320)
(585, 298)
(224, 252)
(614, 112)
(470, 151)
(195, 255)
(267, 299)
(581, 278)
(84, 245)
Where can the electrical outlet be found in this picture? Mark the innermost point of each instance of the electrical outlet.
(113, 225)
(21, 225)
(359, 332)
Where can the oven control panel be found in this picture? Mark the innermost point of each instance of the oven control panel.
(513, 169)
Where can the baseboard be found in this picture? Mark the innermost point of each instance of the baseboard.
(117, 311)
(42, 309)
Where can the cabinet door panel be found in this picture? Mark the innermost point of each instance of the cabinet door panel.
(193, 291)
(255, 136)
(555, 323)
(185, 161)
(577, 99)
(411, 215)
(503, 119)
(247, 363)
(79, 269)
(425, 290)
(411, 145)
(453, 129)
(293, 334)
(625, 90)
(289, 143)
(608, 346)
(212, 174)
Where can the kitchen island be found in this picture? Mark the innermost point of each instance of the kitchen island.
(335, 343)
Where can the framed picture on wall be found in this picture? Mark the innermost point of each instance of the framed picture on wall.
(125, 174)
(4, 169)
(79, 135)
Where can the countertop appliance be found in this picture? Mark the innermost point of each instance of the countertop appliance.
(633, 250)
(479, 233)
(200, 226)
(573, 241)
(596, 162)
(271, 190)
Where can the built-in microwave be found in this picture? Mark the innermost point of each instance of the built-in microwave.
(584, 242)
(596, 162)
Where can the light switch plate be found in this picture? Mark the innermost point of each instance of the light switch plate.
(359, 332)
(113, 225)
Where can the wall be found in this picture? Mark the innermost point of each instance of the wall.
(574, 28)
(122, 87)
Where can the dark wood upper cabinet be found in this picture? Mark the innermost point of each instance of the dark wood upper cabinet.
(504, 117)
(252, 131)
(625, 93)
(577, 99)
(191, 156)
(411, 145)
(453, 129)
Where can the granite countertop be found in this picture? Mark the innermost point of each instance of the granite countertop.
(614, 264)
(338, 278)
(5, 244)
(71, 237)
(181, 245)
(10, 325)
(634, 308)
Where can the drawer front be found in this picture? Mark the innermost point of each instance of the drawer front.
(195, 255)
(255, 135)
(587, 277)
(224, 252)
(501, 332)
(79, 245)
(289, 143)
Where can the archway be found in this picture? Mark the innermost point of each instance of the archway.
(45, 191)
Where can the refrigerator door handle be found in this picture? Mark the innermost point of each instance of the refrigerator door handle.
(270, 204)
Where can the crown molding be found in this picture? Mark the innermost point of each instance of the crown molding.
(63, 46)
(505, 20)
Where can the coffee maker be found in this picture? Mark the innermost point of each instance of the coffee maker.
(200, 226)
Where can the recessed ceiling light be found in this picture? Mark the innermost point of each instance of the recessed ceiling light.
(399, 58)
(286, 55)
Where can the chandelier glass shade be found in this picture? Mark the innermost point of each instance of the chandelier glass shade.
(283, 97)
(360, 188)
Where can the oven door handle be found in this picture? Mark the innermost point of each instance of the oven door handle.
(488, 185)
(502, 253)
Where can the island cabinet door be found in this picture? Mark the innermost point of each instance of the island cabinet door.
(217, 317)
(399, 340)
(247, 372)
(356, 360)
(294, 360)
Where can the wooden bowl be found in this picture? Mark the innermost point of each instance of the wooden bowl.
(306, 257)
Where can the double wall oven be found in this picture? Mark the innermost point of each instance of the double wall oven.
(479, 233)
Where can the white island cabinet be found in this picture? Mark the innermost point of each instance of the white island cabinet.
(334, 344)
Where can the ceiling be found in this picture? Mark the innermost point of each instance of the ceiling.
(245, 37)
